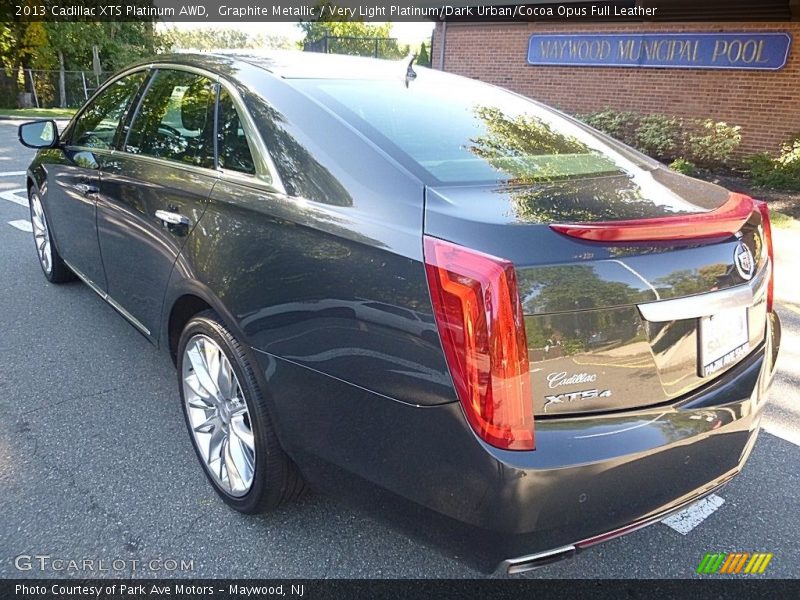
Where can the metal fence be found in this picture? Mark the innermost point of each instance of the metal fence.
(47, 89)
(377, 47)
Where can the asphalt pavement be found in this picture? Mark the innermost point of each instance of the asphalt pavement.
(95, 462)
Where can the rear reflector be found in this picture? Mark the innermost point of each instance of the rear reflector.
(767, 228)
(479, 317)
(721, 222)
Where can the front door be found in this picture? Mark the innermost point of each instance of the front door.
(75, 181)
(155, 190)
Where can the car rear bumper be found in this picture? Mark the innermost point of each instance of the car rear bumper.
(589, 478)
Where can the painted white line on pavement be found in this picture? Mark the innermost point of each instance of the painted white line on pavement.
(11, 173)
(14, 196)
(788, 434)
(22, 225)
(689, 518)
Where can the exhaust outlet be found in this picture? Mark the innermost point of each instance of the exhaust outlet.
(514, 566)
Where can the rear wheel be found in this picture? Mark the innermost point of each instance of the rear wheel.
(53, 267)
(227, 419)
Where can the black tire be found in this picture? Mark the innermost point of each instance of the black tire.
(58, 271)
(276, 479)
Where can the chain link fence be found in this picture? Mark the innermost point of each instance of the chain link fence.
(48, 89)
(376, 47)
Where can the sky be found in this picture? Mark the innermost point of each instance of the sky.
(404, 32)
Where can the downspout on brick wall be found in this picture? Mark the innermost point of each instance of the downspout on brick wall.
(443, 43)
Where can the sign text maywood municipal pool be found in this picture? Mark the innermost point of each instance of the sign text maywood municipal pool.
(662, 50)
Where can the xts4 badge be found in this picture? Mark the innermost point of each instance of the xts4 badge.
(557, 380)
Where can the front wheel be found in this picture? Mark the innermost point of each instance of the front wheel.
(53, 266)
(227, 419)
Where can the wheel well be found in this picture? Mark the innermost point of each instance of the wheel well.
(184, 309)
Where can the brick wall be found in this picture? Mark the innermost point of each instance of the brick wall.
(765, 103)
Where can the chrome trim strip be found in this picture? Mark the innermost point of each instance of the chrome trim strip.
(114, 304)
(711, 303)
(266, 172)
(710, 488)
(513, 566)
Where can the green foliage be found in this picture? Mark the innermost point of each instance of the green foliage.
(215, 38)
(681, 165)
(36, 45)
(658, 135)
(703, 142)
(714, 143)
(422, 57)
(350, 37)
(615, 123)
(119, 44)
(316, 30)
(782, 171)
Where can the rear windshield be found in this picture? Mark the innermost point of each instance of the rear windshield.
(461, 131)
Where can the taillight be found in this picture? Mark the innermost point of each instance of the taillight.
(767, 228)
(479, 317)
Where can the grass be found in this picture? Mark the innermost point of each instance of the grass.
(781, 220)
(38, 113)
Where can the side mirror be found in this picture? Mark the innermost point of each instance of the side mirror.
(38, 134)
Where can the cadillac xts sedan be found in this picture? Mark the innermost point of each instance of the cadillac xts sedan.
(417, 291)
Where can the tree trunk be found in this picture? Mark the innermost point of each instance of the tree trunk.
(62, 88)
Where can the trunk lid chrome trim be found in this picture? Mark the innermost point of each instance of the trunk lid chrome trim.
(709, 303)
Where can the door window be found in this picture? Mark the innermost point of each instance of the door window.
(97, 125)
(175, 120)
(232, 146)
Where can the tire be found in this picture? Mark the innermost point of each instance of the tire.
(237, 427)
(53, 266)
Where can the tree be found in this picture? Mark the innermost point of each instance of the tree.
(350, 37)
(423, 58)
(216, 38)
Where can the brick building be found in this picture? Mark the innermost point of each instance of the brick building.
(765, 103)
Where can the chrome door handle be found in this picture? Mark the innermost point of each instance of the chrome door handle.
(86, 189)
(172, 218)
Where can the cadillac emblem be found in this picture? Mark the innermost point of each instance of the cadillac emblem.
(743, 259)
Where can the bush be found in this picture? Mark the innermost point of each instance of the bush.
(715, 144)
(658, 135)
(782, 171)
(702, 142)
(681, 165)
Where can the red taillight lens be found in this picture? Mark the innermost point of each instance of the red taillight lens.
(767, 227)
(479, 316)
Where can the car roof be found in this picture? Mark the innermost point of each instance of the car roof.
(296, 64)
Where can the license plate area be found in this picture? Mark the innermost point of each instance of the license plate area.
(723, 340)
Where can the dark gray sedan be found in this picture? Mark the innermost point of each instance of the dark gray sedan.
(498, 327)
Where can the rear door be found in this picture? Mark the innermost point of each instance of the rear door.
(155, 190)
(74, 182)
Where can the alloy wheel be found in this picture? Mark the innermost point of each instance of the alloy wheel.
(41, 234)
(218, 415)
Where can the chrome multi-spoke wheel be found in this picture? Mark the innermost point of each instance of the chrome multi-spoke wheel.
(227, 415)
(218, 415)
(41, 234)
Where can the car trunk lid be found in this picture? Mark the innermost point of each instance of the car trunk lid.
(653, 303)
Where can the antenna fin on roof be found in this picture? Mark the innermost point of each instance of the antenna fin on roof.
(409, 62)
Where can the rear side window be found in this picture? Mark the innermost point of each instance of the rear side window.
(97, 124)
(454, 131)
(232, 146)
(175, 119)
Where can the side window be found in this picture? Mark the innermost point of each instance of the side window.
(232, 146)
(97, 124)
(175, 119)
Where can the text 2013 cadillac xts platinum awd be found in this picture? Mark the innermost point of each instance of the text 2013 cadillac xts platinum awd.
(418, 291)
